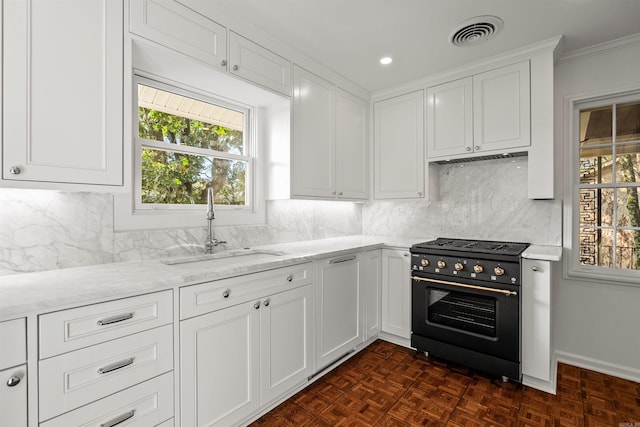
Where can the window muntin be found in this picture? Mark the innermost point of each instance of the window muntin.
(608, 190)
(186, 144)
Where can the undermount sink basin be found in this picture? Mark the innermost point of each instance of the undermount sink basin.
(224, 258)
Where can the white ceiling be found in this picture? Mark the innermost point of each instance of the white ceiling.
(349, 36)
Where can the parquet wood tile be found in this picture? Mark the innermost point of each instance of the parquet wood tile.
(387, 386)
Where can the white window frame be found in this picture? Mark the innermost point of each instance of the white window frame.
(131, 214)
(572, 266)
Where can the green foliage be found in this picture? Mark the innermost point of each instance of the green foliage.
(173, 177)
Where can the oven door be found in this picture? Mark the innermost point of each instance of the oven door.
(483, 317)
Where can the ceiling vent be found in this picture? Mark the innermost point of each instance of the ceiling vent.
(475, 30)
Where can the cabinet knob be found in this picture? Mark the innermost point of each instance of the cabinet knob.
(420, 193)
(468, 148)
(226, 293)
(235, 68)
(266, 302)
(256, 305)
(290, 278)
(13, 381)
(223, 63)
(477, 147)
(15, 170)
(340, 193)
(534, 268)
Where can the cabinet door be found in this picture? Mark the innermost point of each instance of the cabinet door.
(536, 318)
(13, 396)
(63, 91)
(338, 307)
(219, 363)
(369, 276)
(259, 65)
(313, 166)
(396, 292)
(285, 341)
(352, 174)
(501, 108)
(399, 146)
(177, 27)
(450, 119)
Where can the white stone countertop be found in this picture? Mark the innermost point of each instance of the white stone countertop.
(545, 253)
(40, 292)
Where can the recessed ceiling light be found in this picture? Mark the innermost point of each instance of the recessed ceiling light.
(386, 60)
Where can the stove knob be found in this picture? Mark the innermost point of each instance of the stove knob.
(499, 271)
(458, 266)
(424, 262)
(478, 268)
(442, 264)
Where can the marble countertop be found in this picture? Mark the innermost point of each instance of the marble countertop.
(33, 293)
(545, 253)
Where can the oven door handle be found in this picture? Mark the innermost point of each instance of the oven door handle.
(480, 288)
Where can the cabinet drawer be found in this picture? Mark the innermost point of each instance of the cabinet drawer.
(13, 339)
(210, 296)
(146, 404)
(72, 329)
(83, 376)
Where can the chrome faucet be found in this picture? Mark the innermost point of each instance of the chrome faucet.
(211, 215)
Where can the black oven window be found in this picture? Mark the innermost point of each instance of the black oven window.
(462, 311)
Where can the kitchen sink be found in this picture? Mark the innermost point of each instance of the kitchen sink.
(225, 258)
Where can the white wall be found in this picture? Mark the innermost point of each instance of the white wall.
(595, 324)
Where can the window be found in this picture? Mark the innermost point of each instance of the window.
(185, 145)
(607, 142)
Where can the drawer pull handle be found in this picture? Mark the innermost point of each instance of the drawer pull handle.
(290, 278)
(345, 259)
(115, 319)
(226, 293)
(118, 420)
(13, 381)
(115, 366)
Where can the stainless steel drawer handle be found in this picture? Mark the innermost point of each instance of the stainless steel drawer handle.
(120, 419)
(290, 278)
(226, 293)
(13, 381)
(345, 259)
(115, 366)
(115, 319)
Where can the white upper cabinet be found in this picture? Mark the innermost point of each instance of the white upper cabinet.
(177, 27)
(313, 151)
(485, 113)
(450, 118)
(259, 65)
(352, 165)
(501, 108)
(63, 92)
(181, 26)
(329, 147)
(399, 146)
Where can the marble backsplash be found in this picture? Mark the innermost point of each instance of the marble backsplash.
(478, 200)
(44, 230)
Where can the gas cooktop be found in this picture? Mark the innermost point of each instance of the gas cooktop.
(475, 246)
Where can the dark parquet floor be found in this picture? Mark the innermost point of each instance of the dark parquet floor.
(388, 385)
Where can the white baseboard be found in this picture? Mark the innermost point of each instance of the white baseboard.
(620, 371)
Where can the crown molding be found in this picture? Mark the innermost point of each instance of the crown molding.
(601, 47)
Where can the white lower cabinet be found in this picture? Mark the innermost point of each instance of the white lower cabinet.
(73, 379)
(370, 269)
(396, 292)
(536, 319)
(13, 396)
(146, 404)
(236, 359)
(337, 308)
